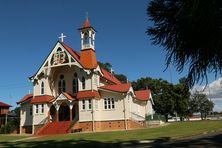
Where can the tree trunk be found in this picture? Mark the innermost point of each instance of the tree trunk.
(166, 117)
(201, 114)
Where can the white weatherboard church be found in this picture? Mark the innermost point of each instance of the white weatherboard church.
(71, 92)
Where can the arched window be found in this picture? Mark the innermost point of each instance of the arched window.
(83, 83)
(75, 84)
(42, 88)
(62, 84)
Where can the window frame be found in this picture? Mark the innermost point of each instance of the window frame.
(83, 105)
(42, 108)
(75, 84)
(36, 108)
(42, 91)
(109, 103)
(61, 84)
(31, 111)
(83, 83)
(89, 104)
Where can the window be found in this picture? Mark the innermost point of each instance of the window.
(83, 83)
(105, 103)
(109, 103)
(42, 88)
(42, 108)
(83, 104)
(36, 108)
(75, 84)
(90, 104)
(113, 103)
(30, 110)
(62, 84)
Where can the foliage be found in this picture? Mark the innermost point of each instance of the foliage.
(200, 103)
(13, 123)
(121, 77)
(190, 32)
(162, 94)
(107, 66)
(181, 96)
(9, 127)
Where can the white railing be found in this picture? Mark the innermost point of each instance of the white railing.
(137, 117)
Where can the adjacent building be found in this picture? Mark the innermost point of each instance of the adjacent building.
(4, 110)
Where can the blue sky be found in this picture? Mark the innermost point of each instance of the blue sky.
(29, 30)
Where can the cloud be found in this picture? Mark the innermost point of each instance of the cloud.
(213, 92)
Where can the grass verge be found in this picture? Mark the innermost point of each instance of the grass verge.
(113, 139)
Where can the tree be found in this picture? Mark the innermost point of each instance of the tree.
(162, 93)
(190, 31)
(164, 102)
(200, 103)
(121, 77)
(181, 96)
(107, 66)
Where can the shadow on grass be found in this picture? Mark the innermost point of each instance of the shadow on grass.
(210, 141)
(80, 143)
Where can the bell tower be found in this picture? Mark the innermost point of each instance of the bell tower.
(88, 53)
(87, 33)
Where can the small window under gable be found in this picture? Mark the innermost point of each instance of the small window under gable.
(75, 84)
(61, 84)
(42, 88)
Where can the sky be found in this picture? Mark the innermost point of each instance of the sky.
(29, 30)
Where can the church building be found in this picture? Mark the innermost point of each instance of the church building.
(72, 93)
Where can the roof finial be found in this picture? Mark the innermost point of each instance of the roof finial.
(86, 23)
(62, 37)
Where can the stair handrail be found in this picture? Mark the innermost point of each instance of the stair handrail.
(73, 122)
(43, 121)
(139, 116)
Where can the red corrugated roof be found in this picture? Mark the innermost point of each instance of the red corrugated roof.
(74, 53)
(143, 95)
(42, 99)
(87, 94)
(88, 59)
(117, 87)
(107, 75)
(2, 104)
(25, 98)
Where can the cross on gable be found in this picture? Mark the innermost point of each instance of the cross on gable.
(62, 37)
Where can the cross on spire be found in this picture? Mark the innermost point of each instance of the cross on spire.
(62, 37)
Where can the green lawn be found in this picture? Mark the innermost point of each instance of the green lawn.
(113, 139)
(7, 138)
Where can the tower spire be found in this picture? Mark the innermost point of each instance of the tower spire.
(86, 23)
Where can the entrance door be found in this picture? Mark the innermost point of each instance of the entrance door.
(52, 113)
(64, 112)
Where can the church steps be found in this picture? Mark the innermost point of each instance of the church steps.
(53, 128)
